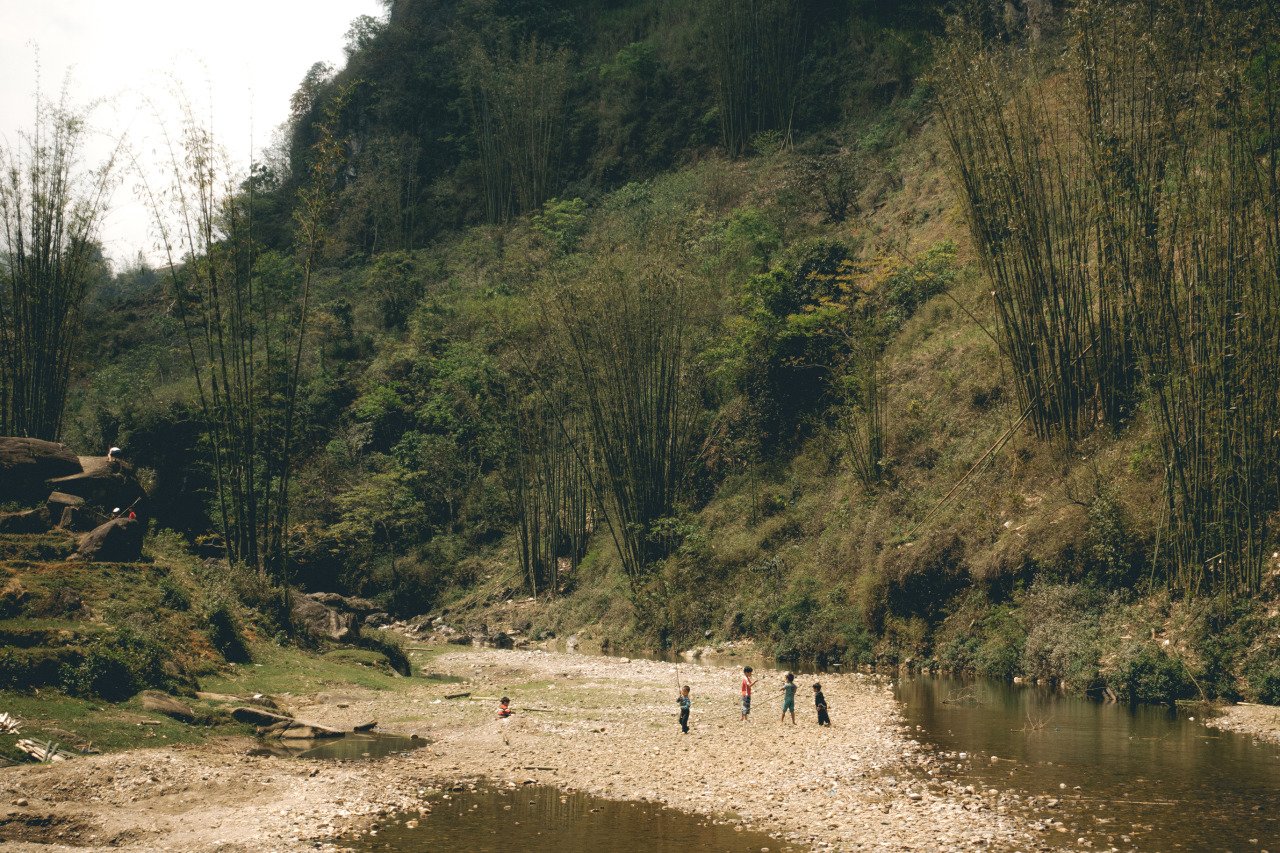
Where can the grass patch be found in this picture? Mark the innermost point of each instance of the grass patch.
(286, 670)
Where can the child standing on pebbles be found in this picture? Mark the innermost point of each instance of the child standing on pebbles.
(789, 698)
(685, 704)
(747, 683)
(821, 702)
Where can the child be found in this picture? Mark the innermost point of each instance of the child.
(820, 701)
(789, 698)
(685, 704)
(504, 708)
(747, 683)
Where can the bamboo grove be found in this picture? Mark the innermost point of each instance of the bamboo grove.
(245, 314)
(1125, 195)
(50, 209)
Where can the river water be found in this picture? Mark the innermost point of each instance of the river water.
(540, 819)
(1149, 774)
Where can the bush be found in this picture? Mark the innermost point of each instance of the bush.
(389, 647)
(1144, 673)
(223, 631)
(1061, 622)
(999, 653)
(1264, 681)
(116, 668)
(25, 669)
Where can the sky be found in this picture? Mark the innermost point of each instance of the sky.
(237, 61)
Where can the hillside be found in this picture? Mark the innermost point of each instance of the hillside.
(721, 361)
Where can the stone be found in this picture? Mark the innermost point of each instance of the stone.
(153, 700)
(325, 622)
(258, 717)
(27, 521)
(78, 519)
(359, 606)
(26, 464)
(308, 731)
(378, 620)
(103, 482)
(117, 541)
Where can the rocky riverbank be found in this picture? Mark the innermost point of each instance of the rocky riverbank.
(599, 725)
(1258, 721)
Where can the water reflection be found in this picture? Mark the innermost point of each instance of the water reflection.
(1146, 772)
(539, 819)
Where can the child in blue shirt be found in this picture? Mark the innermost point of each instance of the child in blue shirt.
(685, 704)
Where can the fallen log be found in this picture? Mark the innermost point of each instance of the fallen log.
(42, 752)
(308, 731)
(457, 695)
(364, 727)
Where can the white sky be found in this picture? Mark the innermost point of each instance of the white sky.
(238, 61)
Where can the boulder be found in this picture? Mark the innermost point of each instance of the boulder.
(79, 519)
(324, 622)
(378, 620)
(27, 463)
(358, 606)
(102, 481)
(117, 541)
(30, 521)
(153, 700)
(258, 717)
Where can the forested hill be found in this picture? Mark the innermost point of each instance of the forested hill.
(860, 329)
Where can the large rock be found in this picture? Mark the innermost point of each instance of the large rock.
(322, 621)
(105, 482)
(29, 521)
(154, 700)
(358, 606)
(27, 463)
(117, 541)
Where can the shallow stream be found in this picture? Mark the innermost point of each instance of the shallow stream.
(1150, 774)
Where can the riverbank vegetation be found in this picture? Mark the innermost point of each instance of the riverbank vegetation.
(868, 334)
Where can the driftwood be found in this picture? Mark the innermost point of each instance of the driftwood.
(42, 751)
(457, 695)
(364, 727)
(307, 731)
(258, 717)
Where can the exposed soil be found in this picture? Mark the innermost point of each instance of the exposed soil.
(605, 726)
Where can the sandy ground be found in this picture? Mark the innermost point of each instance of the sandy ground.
(1259, 721)
(611, 730)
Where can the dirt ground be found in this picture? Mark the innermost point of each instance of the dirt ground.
(599, 725)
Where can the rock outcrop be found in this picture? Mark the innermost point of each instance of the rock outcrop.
(104, 482)
(320, 620)
(26, 464)
(117, 541)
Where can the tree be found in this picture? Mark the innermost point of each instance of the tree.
(50, 210)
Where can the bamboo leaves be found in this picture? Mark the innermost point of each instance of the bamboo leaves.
(50, 209)
(1126, 202)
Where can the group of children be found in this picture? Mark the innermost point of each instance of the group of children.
(749, 682)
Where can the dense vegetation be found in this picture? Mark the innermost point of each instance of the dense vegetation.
(831, 324)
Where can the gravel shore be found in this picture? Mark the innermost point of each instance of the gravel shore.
(603, 726)
(1258, 721)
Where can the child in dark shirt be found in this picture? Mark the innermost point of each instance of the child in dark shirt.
(821, 702)
(685, 704)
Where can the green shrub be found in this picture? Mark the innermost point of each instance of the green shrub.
(389, 647)
(116, 668)
(1062, 625)
(1264, 682)
(999, 652)
(1145, 673)
(25, 669)
(223, 631)
(172, 595)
